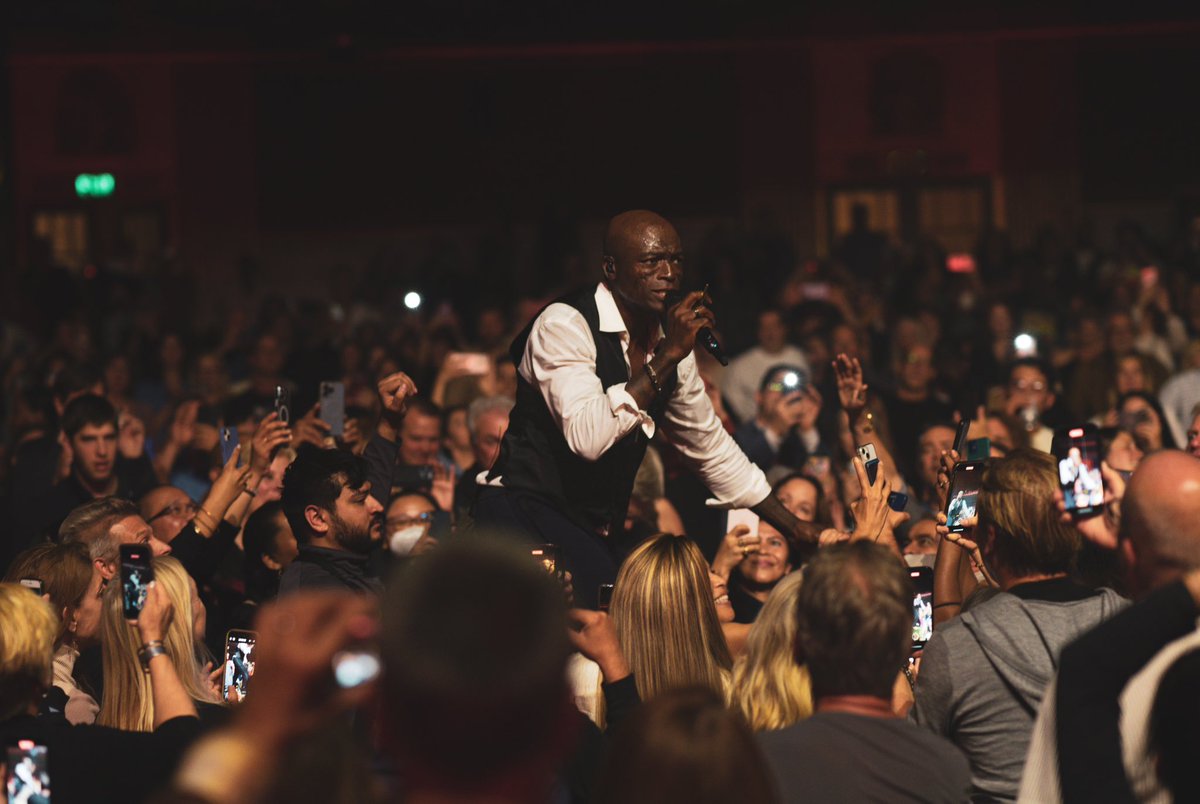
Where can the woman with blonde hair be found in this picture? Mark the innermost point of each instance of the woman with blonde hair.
(127, 702)
(666, 620)
(769, 688)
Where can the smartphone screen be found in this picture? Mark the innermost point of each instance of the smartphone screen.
(239, 664)
(333, 407)
(283, 404)
(963, 501)
(27, 774)
(229, 440)
(922, 630)
(136, 575)
(1077, 450)
(548, 555)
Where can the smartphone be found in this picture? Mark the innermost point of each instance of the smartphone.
(229, 440)
(333, 407)
(353, 668)
(922, 630)
(283, 404)
(963, 501)
(1077, 450)
(872, 467)
(604, 596)
(412, 477)
(741, 516)
(960, 438)
(27, 774)
(33, 584)
(867, 453)
(136, 575)
(897, 501)
(548, 555)
(979, 449)
(788, 382)
(239, 664)
(473, 363)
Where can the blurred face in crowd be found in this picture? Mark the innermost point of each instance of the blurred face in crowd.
(1000, 322)
(210, 375)
(457, 434)
(1091, 335)
(916, 369)
(1130, 375)
(799, 497)
(168, 510)
(845, 341)
(270, 486)
(772, 332)
(490, 428)
(1193, 436)
(95, 452)
(117, 377)
(922, 539)
(268, 356)
(1124, 454)
(770, 563)
(1144, 422)
(1028, 386)
(171, 352)
(356, 522)
(645, 261)
(1120, 333)
(720, 592)
(420, 436)
(932, 444)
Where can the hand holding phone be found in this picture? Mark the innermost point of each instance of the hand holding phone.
(962, 503)
(922, 630)
(229, 442)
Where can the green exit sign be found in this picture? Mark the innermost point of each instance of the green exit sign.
(94, 185)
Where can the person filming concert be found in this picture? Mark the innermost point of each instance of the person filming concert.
(600, 371)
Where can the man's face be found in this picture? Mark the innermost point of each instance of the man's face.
(489, 432)
(1193, 437)
(168, 510)
(95, 451)
(1027, 386)
(356, 523)
(420, 436)
(930, 447)
(648, 262)
(772, 334)
(134, 530)
(922, 539)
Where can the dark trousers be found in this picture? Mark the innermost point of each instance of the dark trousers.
(587, 556)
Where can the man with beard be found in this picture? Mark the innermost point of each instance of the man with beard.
(328, 503)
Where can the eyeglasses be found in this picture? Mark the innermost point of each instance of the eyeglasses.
(186, 510)
(418, 519)
(1025, 385)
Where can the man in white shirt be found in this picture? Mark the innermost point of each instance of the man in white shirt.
(740, 383)
(599, 371)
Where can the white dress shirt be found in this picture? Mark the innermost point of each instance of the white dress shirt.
(560, 361)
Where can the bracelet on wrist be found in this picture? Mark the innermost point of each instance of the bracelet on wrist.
(148, 651)
(652, 375)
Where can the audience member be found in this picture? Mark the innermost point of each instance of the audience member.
(770, 689)
(742, 380)
(853, 630)
(783, 430)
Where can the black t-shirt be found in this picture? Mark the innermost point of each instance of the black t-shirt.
(95, 764)
(845, 758)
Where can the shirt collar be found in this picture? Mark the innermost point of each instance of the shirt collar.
(610, 319)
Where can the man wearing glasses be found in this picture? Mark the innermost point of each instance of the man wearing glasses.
(1028, 397)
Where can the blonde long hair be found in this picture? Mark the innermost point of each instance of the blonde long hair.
(769, 688)
(662, 608)
(128, 702)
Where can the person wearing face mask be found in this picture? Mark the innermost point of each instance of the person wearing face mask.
(73, 587)
(408, 523)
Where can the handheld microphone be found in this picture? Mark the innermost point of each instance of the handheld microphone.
(705, 336)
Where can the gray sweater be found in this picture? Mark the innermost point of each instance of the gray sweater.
(983, 674)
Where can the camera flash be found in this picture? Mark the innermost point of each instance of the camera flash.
(1025, 344)
(412, 300)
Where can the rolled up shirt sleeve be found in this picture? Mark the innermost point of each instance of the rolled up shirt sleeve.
(560, 360)
(692, 426)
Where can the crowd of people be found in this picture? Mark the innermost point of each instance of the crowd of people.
(564, 550)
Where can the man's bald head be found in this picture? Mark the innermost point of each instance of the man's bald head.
(643, 261)
(1160, 519)
(625, 232)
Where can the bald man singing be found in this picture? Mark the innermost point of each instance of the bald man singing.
(600, 371)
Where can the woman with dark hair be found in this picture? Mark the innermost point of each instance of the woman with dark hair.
(1142, 415)
(685, 746)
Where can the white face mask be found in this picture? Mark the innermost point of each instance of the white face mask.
(402, 541)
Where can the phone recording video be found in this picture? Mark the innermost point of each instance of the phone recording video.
(27, 778)
(229, 442)
(283, 404)
(548, 555)
(333, 407)
(962, 503)
(1077, 450)
(136, 575)
(922, 630)
(239, 664)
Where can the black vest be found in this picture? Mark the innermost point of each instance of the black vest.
(534, 455)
